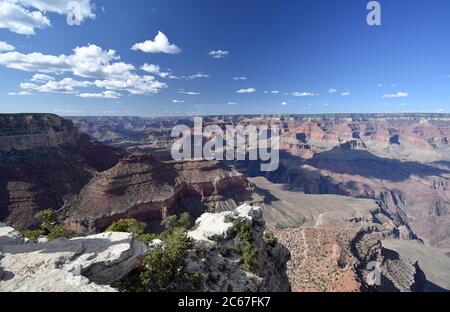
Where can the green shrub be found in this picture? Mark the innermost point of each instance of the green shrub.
(146, 238)
(249, 258)
(59, 231)
(47, 218)
(173, 222)
(244, 231)
(165, 269)
(128, 226)
(48, 226)
(33, 235)
(270, 239)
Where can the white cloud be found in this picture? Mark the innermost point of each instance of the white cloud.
(379, 85)
(25, 16)
(331, 91)
(61, 7)
(21, 20)
(218, 54)
(346, 93)
(156, 70)
(440, 110)
(66, 85)
(35, 62)
(6, 46)
(41, 78)
(134, 84)
(177, 101)
(275, 92)
(195, 76)
(284, 104)
(246, 91)
(399, 94)
(23, 93)
(160, 44)
(232, 103)
(239, 78)
(87, 62)
(303, 94)
(188, 92)
(103, 95)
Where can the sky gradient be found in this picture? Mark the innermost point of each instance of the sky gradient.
(297, 57)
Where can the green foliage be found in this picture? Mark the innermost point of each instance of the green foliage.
(247, 252)
(128, 226)
(249, 258)
(244, 231)
(164, 268)
(59, 231)
(49, 226)
(173, 222)
(33, 235)
(146, 239)
(47, 218)
(270, 239)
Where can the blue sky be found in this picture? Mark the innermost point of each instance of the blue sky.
(297, 56)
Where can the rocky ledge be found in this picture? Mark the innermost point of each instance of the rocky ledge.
(222, 245)
(87, 264)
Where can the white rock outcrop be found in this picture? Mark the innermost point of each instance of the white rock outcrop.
(87, 264)
(217, 248)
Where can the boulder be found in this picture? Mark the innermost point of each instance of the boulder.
(85, 264)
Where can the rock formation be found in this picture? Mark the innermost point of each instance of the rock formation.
(87, 264)
(43, 159)
(144, 188)
(216, 242)
(346, 260)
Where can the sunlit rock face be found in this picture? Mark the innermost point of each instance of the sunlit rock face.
(87, 264)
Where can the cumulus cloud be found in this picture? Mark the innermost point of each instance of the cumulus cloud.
(66, 85)
(246, 91)
(239, 78)
(25, 16)
(399, 94)
(232, 103)
(331, 91)
(346, 93)
(218, 54)
(134, 84)
(284, 104)
(160, 44)
(303, 94)
(6, 46)
(275, 92)
(88, 62)
(102, 95)
(177, 101)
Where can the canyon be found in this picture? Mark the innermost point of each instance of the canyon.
(359, 187)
